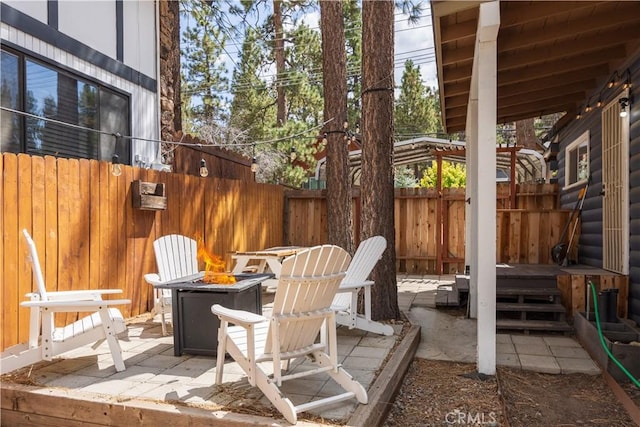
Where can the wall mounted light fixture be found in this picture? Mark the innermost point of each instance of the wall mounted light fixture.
(624, 104)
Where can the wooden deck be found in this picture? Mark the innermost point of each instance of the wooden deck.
(572, 281)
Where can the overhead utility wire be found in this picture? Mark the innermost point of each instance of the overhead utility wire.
(159, 141)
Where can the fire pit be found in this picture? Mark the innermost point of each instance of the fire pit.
(195, 328)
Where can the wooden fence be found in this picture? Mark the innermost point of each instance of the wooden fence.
(524, 235)
(89, 235)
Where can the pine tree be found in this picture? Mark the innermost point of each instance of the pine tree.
(377, 151)
(417, 108)
(203, 75)
(334, 66)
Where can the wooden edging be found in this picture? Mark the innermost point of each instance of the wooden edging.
(622, 396)
(383, 391)
(28, 405)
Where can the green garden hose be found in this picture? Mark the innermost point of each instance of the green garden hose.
(602, 341)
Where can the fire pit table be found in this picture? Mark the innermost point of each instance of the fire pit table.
(195, 328)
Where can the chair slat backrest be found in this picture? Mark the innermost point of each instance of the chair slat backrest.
(307, 285)
(176, 256)
(366, 257)
(35, 266)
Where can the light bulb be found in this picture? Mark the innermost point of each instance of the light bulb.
(254, 165)
(204, 172)
(624, 103)
(116, 169)
(292, 155)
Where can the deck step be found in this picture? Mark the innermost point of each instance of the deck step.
(543, 307)
(527, 292)
(534, 325)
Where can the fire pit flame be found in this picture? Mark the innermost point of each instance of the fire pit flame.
(214, 267)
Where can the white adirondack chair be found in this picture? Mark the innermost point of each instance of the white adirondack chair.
(302, 304)
(105, 323)
(176, 258)
(346, 301)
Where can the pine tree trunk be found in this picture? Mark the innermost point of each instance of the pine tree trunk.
(171, 114)
(377, 149)
(526, 135)
(278, 46)
(339, 221)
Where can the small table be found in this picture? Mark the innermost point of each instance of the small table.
(195, 328)
(271, 258)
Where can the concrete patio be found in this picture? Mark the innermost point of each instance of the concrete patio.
(162, 383)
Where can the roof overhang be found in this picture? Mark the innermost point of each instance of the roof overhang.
(552, 56)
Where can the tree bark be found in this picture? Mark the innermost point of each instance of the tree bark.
(278, 47)
(377, 149)
(334, 65)
(171, 111)
(526, 135)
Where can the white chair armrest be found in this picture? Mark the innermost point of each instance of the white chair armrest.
(86, 305)
(91, 294)
(152, 279)
(238, 317)
(348, 287)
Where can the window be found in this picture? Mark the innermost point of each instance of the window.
(73, 106)
(577, 161)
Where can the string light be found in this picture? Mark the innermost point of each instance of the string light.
(254, 165)
(614, 80)
(204, 172)
(292, 154)
(116, 169)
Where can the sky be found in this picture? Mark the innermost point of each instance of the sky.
(412, 41)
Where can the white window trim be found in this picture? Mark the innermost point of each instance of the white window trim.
(585, 137)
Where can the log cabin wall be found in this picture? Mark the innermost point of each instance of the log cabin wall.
(591, 236)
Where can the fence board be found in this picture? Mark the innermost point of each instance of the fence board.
(4, 235)
(25, 215)
(94, 225)
(49, 261)
(10, 281)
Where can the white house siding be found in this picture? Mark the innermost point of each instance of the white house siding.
(36, 9)
(91, 22)
(139, 48)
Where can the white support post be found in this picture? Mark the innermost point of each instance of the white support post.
(483, 116)
(471, 209)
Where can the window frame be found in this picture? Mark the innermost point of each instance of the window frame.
(24, 56)
(583, 140)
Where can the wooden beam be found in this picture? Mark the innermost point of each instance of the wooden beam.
(546, 87)
(513, 38)
(533, 105)
(583, 46)
(570, 64)
(568, 90)
(518, 13)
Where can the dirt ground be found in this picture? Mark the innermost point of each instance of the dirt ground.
(438, 393)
